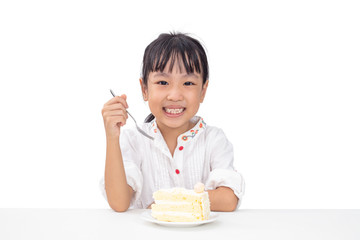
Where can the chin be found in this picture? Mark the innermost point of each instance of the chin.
(174, 122)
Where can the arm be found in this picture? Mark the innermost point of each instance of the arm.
(118, 192)
(225, 185)
(222, 199)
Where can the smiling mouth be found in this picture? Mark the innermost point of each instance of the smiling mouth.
(174, 111)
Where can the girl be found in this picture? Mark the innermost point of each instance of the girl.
(185, 150)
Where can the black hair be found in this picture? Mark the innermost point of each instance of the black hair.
(171, 47)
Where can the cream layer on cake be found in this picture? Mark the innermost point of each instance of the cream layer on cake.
(180, 205)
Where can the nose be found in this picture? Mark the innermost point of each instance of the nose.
(175, 94)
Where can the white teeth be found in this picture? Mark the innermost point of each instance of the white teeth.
(174, 110)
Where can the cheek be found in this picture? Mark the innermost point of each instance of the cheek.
(153, 97)
(154, 101)
(195, 96)
(194, 102)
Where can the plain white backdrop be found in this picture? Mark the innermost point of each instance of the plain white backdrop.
(284, 86)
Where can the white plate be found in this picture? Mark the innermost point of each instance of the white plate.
(147, 217)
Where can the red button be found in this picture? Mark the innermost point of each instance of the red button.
(181, 148)
(177, 171)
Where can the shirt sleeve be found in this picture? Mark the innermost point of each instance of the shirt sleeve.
(132, 165)
(222, 172)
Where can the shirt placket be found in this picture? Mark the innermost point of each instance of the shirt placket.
(177, 163)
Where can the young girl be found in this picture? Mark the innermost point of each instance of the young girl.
(185, 150)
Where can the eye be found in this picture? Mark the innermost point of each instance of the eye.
(189, 83)
(162, 83)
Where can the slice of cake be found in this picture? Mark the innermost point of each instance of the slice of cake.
(181, 205)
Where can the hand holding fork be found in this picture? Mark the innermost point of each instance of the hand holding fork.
(115, 115)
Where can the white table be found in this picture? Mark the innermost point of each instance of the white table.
(242, 224)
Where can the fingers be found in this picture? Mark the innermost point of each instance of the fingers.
(118, 99)
(113, 121)
(116, 112)
(115, 115)
(114, 107)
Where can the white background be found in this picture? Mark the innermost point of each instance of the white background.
(284, 86)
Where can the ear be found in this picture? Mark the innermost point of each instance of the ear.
(203, 91)
(143, 89)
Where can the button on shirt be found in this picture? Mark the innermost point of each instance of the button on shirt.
(203, 154)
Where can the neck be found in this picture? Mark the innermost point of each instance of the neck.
(171, 134)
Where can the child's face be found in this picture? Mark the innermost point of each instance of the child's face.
(174, 97)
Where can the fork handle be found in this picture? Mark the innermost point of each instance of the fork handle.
(131, 116)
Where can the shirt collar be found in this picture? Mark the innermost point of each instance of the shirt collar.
(199, 127)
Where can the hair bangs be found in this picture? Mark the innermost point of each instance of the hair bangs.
(180, 49)
(188, 61)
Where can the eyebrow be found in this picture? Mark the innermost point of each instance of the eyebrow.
(163, 74)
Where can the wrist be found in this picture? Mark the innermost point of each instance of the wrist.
(112, 139)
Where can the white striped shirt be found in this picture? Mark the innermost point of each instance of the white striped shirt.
(203, 154)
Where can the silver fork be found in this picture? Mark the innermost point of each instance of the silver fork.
(137, 127)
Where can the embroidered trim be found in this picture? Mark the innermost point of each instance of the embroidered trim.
(193, 133)
(190, 134)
